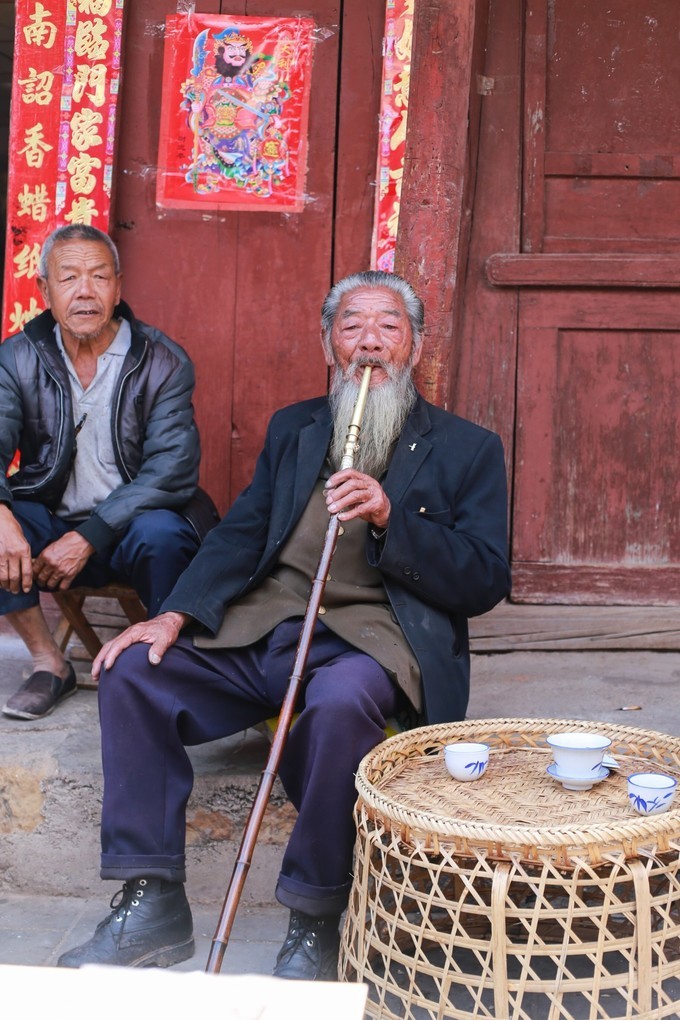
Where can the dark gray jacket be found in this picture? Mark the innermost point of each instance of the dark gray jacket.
(155, 438)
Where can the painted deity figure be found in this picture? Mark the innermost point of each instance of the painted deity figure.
(234, 99)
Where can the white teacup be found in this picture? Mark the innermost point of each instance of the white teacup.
(466, 761)
(578, 754)
(650, 793)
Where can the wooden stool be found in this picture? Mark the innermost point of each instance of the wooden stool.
(70, 602)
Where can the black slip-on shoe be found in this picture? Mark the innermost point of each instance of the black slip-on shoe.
(40, 694)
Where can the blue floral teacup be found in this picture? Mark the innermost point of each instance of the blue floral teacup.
(466, 761)
(650, 793)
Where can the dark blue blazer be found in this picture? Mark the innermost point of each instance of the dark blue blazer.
(443, 559)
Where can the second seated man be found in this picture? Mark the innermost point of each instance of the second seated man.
(99, 407)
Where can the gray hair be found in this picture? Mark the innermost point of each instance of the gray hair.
(372, 278)
(75, 232)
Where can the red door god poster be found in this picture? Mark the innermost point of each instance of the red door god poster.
(234, 114)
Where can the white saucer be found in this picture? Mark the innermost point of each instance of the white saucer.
(611, 763)
(577, 782)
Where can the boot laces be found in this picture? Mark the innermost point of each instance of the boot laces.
(303, 929)
(121, 903)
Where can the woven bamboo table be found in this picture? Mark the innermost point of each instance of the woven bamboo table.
(511, 897)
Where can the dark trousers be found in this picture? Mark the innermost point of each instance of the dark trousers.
(154, 550)
(149, 713)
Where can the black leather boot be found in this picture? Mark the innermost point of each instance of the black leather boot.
(310, 952)
(150, 926)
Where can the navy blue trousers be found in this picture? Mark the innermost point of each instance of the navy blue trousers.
(149, 713)
(154, 550)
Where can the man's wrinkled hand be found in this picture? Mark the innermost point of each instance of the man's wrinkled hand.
(351, 494)
(16, 568)
(160, 633)
(61, 561)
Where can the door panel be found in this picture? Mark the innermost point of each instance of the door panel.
(596, 215)
(596, 487)
(597, 430)
(601, 126)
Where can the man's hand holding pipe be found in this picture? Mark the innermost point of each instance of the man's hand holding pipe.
(350, 494)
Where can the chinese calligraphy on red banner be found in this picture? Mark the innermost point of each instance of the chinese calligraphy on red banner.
(66, 78)
(234, 113)
(392, 141)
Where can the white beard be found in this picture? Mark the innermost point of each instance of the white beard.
(386, 411)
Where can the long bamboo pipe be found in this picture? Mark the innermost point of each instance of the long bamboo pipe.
(254, 822)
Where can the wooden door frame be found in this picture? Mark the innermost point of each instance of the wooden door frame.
(441, 144)
(463, 153)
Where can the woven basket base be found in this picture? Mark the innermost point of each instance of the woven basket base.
(421, 933)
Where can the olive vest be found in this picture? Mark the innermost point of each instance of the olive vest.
(354, 605)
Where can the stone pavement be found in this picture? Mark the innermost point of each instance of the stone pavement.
(50, 790)
(35, 930)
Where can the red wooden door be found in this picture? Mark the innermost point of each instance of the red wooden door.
(242, 292)
(596, 487)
